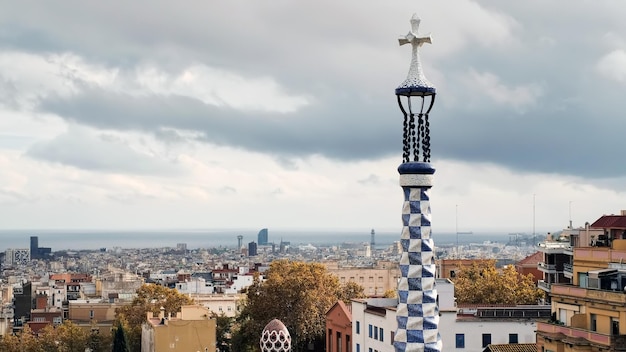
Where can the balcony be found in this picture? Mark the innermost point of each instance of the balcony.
(544, 285)
(547, 268)
(555, 247)
(610, 297)
(568, 270)
(559, 332)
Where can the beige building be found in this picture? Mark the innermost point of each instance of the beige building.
(220, 304)
(376, 280)
(191, 330)
(93, 315)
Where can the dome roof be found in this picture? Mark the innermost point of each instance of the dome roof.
(275, 337)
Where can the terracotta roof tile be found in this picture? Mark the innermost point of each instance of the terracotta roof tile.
(610, 221)
(513, 347)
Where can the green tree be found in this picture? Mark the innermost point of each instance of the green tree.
(150, 298)
(224, 326)
(120, 340)
(482, 282)
(299, 294)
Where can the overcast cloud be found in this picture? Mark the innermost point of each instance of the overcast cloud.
(151, 115)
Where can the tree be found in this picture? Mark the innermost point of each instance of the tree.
(483, 283)
(150, 298)
(351, 290)
(224, 325)
(298, 294)
(66, 337)
(120, 340)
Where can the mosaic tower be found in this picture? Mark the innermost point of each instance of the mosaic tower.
(417, 314)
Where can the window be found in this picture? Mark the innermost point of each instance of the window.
(452, 274)
(614, 326)
(371, 350)
(594, 320)
(375, 332)
(330, 340)
(381, 334)
(339, 345)
(358, 347)
(512, 338)
(348, 344)
(486, 339)
(358, 327)
(393, 336)
(460, 340)
(91, 314)
(371, 330)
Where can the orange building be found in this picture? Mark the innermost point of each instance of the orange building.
(588, 313)
(339, 328)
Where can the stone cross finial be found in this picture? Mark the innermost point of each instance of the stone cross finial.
(412, 37)
(415, 81)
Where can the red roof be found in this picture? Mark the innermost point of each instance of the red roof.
(532, 259)
(610, 222)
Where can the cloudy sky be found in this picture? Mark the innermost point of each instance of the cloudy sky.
(282, 114)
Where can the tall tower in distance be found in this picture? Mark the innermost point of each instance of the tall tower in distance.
(262, 239)
(373, 238)
(34, 247)
(417, 314)
(239, 242)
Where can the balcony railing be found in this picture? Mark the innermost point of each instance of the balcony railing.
(568, 268)
(590, 336)
(544, 285)
(612, 297)
(546, 267)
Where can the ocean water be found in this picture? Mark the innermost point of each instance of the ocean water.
(94, 239)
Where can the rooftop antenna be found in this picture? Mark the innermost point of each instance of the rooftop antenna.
(456, 225)
(534, 237)
(570, 215)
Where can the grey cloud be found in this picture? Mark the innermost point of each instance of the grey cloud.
(98, 153)
(336, 129)
(351, 66)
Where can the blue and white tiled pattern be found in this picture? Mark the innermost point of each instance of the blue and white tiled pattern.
(417, 313)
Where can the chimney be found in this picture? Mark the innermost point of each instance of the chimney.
(161, 313)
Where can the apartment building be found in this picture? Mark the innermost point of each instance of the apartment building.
(376, 279)
(191, 330)
(587, 312)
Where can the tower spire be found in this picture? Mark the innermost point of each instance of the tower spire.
(417, 314)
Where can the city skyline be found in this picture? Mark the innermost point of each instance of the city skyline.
(247, 115)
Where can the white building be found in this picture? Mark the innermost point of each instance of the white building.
(462, 330)
(195, 285)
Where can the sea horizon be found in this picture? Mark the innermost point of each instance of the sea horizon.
(89, 239)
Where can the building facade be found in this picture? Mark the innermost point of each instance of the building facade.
(191, 330)
(339, 328)
(588, 313)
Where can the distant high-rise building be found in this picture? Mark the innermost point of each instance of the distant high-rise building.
(252, 249)
(239, 242)
(373, 239)
(34, 247)
(263, 237)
